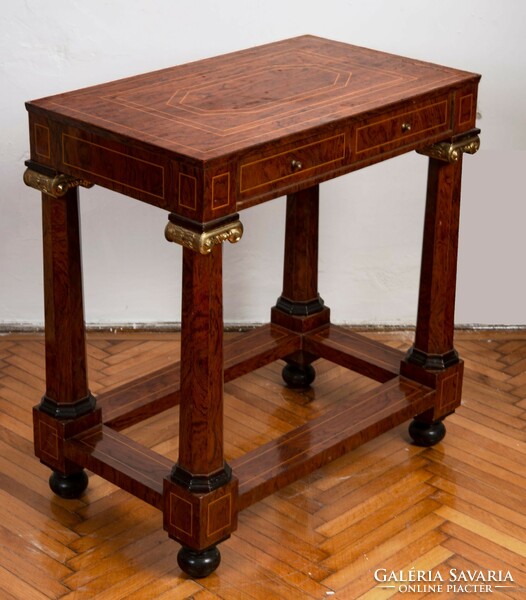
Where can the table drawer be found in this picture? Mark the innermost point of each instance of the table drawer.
(385, 133)
(293, 165)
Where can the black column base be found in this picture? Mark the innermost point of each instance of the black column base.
(68, 486)
(67, 411)
(198, 563)
(427, 434)
(201, 484)
(300, 309)
(432, 362)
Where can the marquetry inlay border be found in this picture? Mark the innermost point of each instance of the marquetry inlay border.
(42, 140)
(181, 514)
(220, 191)
(465, 112)
(340, 144)
(48, 440)
(401, 135)
(72, 157)
(216, 508)
(187, 191)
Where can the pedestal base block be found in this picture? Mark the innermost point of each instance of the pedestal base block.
(446, 382)
(199, 521)
(50, 435)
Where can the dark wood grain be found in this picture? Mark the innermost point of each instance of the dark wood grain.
(300, 295)
(394, 129)
(433, 359)
(215, 136)
(355, 352)
(276, 464)
(122, 461)
(144, 397)
(387, 498)
(204, 141)
(66, 369)
(271, 466)
(438, 271)
(300, 306)
(67, 404)
(201, 409)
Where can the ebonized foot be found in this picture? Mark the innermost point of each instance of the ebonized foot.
(198, 563)
(427, 434)
(68, 486)
(298, 376)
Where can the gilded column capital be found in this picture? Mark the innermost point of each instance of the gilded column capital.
(54, 186)
(452, 151)
(205, 241)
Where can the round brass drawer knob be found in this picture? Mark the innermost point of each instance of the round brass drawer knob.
(296, 165)
(406, 127)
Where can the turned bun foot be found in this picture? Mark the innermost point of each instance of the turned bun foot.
(68, 486)
(198, 563)
(298, 376)
(427, 434)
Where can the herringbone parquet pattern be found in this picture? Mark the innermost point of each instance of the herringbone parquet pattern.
(456, 508)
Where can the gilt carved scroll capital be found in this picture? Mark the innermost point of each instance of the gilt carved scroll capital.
(56, 186)
(203, 242)
(452, 151)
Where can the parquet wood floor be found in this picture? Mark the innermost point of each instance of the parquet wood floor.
(456, 508)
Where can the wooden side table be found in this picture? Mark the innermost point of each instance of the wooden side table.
(204, 141)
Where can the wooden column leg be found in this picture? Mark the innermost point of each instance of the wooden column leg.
(300, 306)
(200, 495)
(433, 359)
(67, 406)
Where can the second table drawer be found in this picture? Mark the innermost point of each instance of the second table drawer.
(385, 133)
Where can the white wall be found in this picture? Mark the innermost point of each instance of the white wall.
(371, 221)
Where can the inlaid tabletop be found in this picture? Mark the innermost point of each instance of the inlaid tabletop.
(217, 106)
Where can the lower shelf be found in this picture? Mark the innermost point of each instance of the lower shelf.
(354, 351)
(320, 441)
(151, 394)
(270, 467)
(137, 400)
(121, 461)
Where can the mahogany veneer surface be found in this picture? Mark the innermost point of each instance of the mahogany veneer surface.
(211, 137)
(204, 140)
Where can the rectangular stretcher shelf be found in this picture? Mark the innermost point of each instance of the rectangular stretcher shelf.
(149, 395)
(276, 464)
(122, 461)
(269, 467)
(353, 351)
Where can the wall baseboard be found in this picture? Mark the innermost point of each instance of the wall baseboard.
(170, 327)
